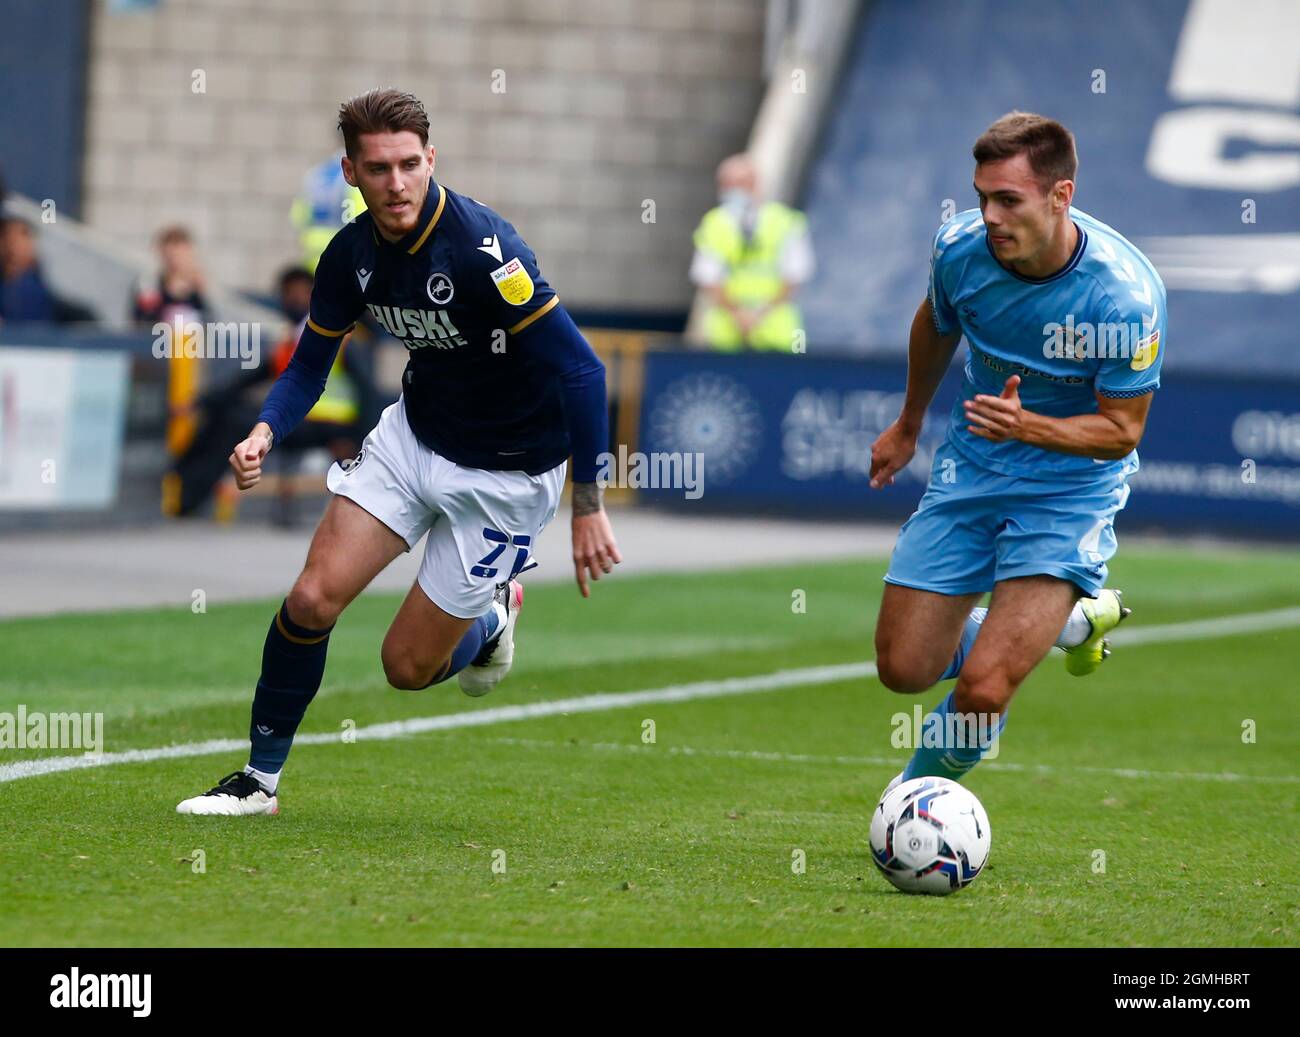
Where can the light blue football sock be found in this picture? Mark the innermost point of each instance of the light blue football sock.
(948, 749)
(972, 627)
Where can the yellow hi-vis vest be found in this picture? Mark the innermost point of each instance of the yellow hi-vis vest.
(338, 400)
(754, 276)
(318, 216)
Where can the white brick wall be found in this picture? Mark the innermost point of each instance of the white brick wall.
(607, 102)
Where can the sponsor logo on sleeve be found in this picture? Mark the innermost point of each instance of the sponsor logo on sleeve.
(1145, 354)
(513, 282)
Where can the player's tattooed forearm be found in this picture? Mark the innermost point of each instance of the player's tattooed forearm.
(586, 498)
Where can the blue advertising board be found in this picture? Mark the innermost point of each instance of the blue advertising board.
(793, 434)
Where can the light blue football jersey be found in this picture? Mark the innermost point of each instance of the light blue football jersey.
(1097, 326)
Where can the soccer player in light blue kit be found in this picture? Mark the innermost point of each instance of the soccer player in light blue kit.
(1065, 323)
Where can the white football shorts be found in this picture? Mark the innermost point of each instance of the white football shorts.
(482, 525)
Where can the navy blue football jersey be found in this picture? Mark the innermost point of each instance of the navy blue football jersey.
(456, 292)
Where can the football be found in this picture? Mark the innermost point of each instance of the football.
(930, 835)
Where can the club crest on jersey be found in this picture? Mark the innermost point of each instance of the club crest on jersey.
(1071, 348)
(440, 289)
(513, 282)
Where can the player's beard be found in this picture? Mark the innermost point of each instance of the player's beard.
(399, 226)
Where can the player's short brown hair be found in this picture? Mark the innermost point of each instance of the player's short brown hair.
(381, 111)
(1047, 144)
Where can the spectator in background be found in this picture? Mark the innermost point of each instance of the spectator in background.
(326, 203)
(751, 257)
(180, 283)
(347, 408)
(24, 295)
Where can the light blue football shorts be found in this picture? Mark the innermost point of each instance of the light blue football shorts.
(975, 527)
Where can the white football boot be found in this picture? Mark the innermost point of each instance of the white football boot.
(495, 658)
(233, 796)
(894, 782)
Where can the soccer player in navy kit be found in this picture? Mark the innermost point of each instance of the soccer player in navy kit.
(500, 388)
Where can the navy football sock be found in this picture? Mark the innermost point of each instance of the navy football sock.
(293, 662)
(467, 649)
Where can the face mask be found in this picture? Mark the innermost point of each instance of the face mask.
(736, 201)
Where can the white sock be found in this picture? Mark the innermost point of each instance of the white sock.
(1077, 629)
(267, 781)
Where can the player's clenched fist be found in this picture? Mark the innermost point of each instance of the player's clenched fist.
(891, 452)
(246, 458)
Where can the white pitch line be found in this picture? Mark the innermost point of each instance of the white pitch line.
(769, 756)
(1221, 626)
(472, 718)
(1252, 622)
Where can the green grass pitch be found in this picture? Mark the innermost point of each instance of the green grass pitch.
(570, 829)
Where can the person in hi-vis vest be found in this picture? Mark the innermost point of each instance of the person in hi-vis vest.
(326, 203)
(751, 257)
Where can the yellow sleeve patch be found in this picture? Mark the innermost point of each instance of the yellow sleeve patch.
(513, 282)
(1145, 354)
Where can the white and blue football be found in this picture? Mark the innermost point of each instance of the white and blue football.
(930, 835)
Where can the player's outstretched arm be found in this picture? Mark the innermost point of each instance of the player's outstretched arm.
(560, 346)
(550, 335)
(928, 355)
